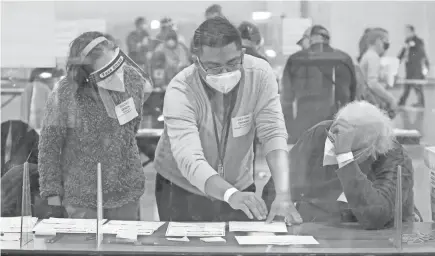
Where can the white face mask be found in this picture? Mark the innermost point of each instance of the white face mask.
(225, 82)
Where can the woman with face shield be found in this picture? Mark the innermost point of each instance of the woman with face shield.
(92, 118)
(212, 111)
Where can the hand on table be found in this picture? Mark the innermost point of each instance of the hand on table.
(283, 206)
(249, 203)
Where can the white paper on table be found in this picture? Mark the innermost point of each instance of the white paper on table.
(44, 230)
(127, 234)
(217, 239)
(275, 240)
(13, 224)
(197, 229)
(10, 237)
(71, 226)
(177, 239)
(257, 226)
(144, 228)
(342, 198)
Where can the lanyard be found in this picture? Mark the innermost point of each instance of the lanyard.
(223, 141)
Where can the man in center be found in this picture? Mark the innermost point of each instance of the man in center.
(212, 110)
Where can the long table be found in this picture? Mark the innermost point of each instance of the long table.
(345, 238)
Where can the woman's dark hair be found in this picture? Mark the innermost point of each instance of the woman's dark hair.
(216, 32)
(250, 32)
(78, 69)
(212, 9)
(369, 35)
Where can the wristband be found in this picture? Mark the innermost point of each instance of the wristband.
(229, 193)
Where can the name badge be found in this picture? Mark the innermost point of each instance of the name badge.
(126, 111)
(241, 125)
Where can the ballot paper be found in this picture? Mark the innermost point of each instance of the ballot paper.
(142, 228)
(342, 198)
(257, 226)
(127, 234)
(71, 226)
(13, 224)
(196, 229)
(217, 239)
(275, 240)
(177, 239)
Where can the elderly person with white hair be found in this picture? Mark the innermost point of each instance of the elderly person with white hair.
(345, 170)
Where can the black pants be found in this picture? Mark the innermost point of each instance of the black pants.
(177, 204)
(418, 90)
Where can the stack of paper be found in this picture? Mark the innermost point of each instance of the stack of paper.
(196, 229)
(141, 228)
(256, 226)
(72, 226)
(13, 224)
(275, 240)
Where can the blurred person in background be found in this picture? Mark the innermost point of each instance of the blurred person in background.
(316, 82)
(211, 112)
(212, 11)
(377, 44)
(176, 54)
(92, 117)
(251, 39)
(416, 65)
(166, 25)
(304, 42)
(35, 95)
(363, 45)
(138, 43)
(345, 170)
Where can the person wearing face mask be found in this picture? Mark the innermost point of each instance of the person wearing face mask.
(416, 63)
(176, 54)
(370, 63)
(92, 118)
(211, 112)
(345, 170)
(316, 82)
(138, 43)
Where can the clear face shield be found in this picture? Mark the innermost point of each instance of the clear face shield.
(116, 77)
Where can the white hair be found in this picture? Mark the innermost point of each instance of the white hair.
(374, 127)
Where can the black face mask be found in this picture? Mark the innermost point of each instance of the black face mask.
(386, 46)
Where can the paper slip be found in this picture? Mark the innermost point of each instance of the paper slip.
(71, 226)
(275, 240)
(128, 234)
(13, 224)
(175, 239)
(10, 237)
(257, 226)
(213, 239)
(197, 229)
(143, 228)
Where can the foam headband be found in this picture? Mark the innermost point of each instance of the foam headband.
(91, 46)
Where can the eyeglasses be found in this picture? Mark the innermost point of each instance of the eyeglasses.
(229, 67)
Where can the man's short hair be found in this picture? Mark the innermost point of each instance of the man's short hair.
(139, 21)
(215, 8)
(410, 27)
(216, 32)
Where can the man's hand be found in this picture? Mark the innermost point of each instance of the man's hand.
(250, 204)
(344, 136)
(283, 206)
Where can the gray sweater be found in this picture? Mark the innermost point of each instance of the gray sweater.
(77, 134)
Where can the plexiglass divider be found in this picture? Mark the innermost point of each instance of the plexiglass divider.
(99, 208)
(27, 222)
(398, 218)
